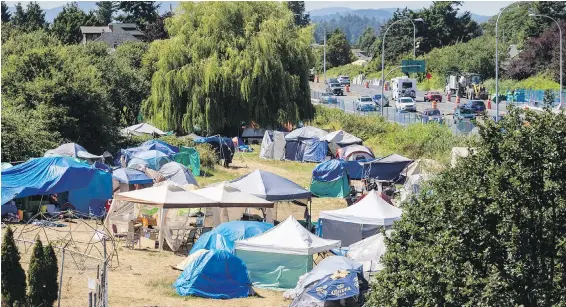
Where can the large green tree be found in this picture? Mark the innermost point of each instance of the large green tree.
(105, 12)
(338, 51)
(5, 13)
(367, 39)
(156, 30)
(141, 13)
(35, 17)
(19, 18)
(492, 230)
(228, 62)
(67, 25)
(302, 19)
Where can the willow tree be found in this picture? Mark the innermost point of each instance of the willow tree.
(229, 62)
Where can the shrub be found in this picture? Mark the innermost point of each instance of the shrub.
(36, 276)
(51, 273)
(208, 156)
(177, 141)
(13, 275)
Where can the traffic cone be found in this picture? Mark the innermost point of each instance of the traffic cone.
(347, 88)
(457, 100)
(367, 84)
(488, 103)
(448, 96)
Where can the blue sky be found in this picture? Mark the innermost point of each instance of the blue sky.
(478, 7)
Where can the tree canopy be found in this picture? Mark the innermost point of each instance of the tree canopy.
(338, 51)
(5, 13)
(67, 25)
(489, 232)
(298, 9)
(141, 13)
(228, 62)
(104, 12)
(367, 39)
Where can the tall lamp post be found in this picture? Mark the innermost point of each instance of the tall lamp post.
(497, 61)
(560, 32)
(383, 51)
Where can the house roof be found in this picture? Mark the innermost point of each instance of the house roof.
(111, 38)
(95, 30)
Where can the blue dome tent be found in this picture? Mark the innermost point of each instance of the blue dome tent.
(160, 145)
(330, 179)
(215, 274)
(225, 235)
(131, 176)
(177, 173)
(154, 158)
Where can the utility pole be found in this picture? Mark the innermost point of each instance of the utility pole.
(324, 56)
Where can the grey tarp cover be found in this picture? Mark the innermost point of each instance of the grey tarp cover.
(177, 173)
(141, 129)
(252, 133)
(305, 133)
(71, 150)
(340, 138)
(269, 186)
(273, 145)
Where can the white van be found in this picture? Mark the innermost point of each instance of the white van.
(403, 87)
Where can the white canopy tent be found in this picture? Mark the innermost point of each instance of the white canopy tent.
(169, 203)
(368, 252)
(278, 257)
(141, 129)
(359, 221)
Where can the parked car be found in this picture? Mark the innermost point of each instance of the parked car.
(335, 89)
(366, 106)
(477, 105)
(431, 115)
(332, 80)
(377, 100)
(328, 98)
(344, 80)
(463, 112)
(406, 104)
(432, 96)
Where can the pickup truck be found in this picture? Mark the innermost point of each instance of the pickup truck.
(336, 89)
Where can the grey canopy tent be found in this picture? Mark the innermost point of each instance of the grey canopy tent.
(272, 187)
(304, 140)
(142, 129)
(339, 139)
(178, 173)
(273, 145)
(72, 150)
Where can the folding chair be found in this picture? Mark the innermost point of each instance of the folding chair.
(120, 236)
(133, 236)
(189, 238)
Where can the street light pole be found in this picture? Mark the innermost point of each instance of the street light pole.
(324, 56)
(383, 52)
(497, 62)
(560, 32)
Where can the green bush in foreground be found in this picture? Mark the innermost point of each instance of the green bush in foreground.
(13, 275)
(493, 231)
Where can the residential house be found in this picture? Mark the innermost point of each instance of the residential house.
(113, 35)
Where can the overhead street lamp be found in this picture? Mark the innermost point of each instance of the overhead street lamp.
(383, 50)
(560, 32)
(497, 61)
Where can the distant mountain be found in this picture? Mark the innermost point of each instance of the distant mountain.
(480, 18)
(329, 11)
(87, 6)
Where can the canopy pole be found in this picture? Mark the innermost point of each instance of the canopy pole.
(161, 221)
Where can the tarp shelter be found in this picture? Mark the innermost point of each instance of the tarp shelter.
(388, 168)
(341, 286)
(142, 129)
(273, 145)
(138, 164)
(355, 153)
(131, 176)
(355, 169)
(155, 159)
(327, 266)
(412, 185)
(189, 157)
(315, 151)
(330, 179)
(253, 136)
(226, 234)
(224, 147)
(88, 187)
(72, 150)
(160, 145)
(302, 140)
(368, 252)
(215, 274)
(178, 173)
(358, 221)
(276, 258)
(339, 139)
(422, 166)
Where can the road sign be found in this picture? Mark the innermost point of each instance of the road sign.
(412, 66)
(428, 76)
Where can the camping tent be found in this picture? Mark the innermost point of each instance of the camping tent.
(88, 187)
(422, 166)
(368, 251)
(341, 288)
(72, 150)
(142, 129)
(354, 153)
(226, 234)
(189, 157)
(305, 140)
(359, 221)
(224, 147)
(327, 266)
(155, 159)
(131, 176)
(215, 274)
(177, 173)
(160, 145)
(276, 258)
(388, 168)
(339, 139)
(330, 179)
(273, 145)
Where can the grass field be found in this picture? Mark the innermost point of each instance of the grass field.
(144, 277)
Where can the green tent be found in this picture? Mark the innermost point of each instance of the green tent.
(330, 179)
(189, 157)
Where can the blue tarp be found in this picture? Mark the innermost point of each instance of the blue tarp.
(155, 159)
(355, 169)
(269, 186)
(315, 151)
(387, 168)
(225, 235)
(49, 175)
(329, 289)
(329, 171)
(131, 176)
(160, 145)
(92, 198)
(215, 274)
(223, 146)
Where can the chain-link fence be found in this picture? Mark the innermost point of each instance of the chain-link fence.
(403, 118)
(532, 98)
